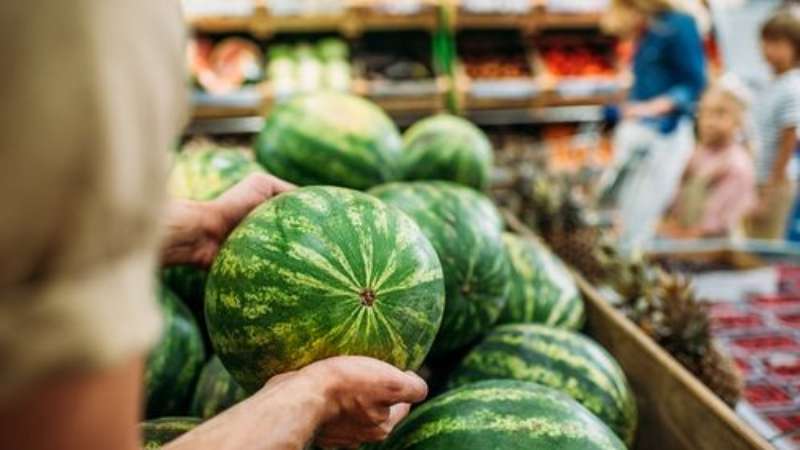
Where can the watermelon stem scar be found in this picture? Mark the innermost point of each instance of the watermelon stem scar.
(367, 297)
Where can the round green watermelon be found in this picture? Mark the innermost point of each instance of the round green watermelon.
(175, 363)
(560, 359)
(321, 272)
(542, 288)
(159, 432)
(450, 148)
(332, 139)
(465, 229)
(502, 415)
(216, 391)
(205, 173)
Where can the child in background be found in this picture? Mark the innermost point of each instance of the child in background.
(777, 115)
(718, 187)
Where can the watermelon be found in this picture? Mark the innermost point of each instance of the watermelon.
(175, 363)
(330, 138)
(159, 432)
(560, 359)
(321, 272)
(205, 172)
(465, 229)
(216, 391)
(450, 148)
(502, 415)
(542, 288)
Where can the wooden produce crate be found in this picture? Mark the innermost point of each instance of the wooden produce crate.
(740, 254)
(676, 411)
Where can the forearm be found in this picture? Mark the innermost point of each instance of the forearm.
(788, 144)
(282, 417)
(659, 106)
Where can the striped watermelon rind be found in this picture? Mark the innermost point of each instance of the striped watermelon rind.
(330, 138)
(174, 364)
(321, 272)
(542, 288)
(205, 173)
(216, 391)
(502, 414)
(446, 147)
(159, 432)
(560, 359)
(465, 229)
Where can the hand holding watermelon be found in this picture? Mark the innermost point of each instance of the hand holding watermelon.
(195, 230)
(343, 401)
(366, 398)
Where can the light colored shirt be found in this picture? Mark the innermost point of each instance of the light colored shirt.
(776, 109)
(93, 95)
(718, 190)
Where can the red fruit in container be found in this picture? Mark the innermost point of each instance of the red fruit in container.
(764, 395)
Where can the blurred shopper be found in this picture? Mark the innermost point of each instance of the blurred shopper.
(718, 187)
(93, 97)
(654, 138)
(777, 115)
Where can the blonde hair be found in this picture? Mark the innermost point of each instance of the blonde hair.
(617, 18)
(731, 90)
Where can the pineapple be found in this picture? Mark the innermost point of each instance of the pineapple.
(665, 307)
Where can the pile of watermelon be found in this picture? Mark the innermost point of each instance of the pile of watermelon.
(387, 249)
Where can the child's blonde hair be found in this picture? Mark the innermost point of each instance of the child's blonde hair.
(731, 89)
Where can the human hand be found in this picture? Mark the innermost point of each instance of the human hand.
(651, 108)
(345, 401)
(366, 398)
(196, 230)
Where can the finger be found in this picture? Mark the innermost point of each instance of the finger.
(340, 438)
(397, 413)
(405, 387)
(338, 441)
(280, 186)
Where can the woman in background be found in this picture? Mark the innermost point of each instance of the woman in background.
(654, 139)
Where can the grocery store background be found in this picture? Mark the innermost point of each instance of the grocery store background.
(537, 77)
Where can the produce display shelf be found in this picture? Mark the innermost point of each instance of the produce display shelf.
(360, 17)
(225, 120)
(547, 106)
(676, 411)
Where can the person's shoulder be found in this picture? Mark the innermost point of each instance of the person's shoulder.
(791, 79)
(677, 19)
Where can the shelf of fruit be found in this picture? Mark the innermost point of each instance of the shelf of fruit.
(353, 17)
(494, 87)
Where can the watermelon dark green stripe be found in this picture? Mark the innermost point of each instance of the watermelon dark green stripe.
(450, 148)
(321, 272)
(502, 414)
(542, 288)
(175, 363)
(464, 228)
(330, 138)
(159, 432)
(560, 359)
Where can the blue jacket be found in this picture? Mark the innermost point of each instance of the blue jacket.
(670, 60)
